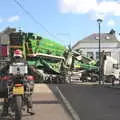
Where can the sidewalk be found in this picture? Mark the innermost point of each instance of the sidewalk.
(115, 86)
(46, 105)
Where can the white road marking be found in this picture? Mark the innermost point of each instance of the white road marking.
(68, 105)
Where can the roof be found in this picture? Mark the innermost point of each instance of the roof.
(94, 38)
(8, 30)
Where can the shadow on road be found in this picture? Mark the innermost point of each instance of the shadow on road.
(46, 102)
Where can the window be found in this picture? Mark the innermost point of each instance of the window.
(108, 53)
(97, 38)
(107, 37)
(3, 51)
(79, 51)
(97, 55)
(90, 54)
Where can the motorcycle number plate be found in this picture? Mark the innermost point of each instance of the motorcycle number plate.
(18, 90)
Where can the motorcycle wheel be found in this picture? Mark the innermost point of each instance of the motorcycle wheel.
(18, 107)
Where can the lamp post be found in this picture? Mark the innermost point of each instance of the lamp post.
(99, 21)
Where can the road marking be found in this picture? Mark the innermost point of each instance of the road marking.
(68, 105)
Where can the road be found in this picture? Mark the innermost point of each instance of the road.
(93, 103)
(88, 101)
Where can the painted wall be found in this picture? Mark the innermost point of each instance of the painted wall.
(93, 47)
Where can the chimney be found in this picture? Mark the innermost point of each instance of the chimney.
(112, 32)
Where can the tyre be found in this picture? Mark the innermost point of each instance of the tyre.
(110, 79)
(18, 107)
(113, 80)
(94, 78)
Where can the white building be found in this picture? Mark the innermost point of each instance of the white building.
(89, 46)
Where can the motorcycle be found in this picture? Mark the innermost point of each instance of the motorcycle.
(18, 89)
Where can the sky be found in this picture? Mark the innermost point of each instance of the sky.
(64, 21)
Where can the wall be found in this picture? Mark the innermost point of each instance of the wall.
(107, 47)
(95, 45)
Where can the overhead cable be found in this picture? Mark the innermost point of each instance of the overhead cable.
(34, 19)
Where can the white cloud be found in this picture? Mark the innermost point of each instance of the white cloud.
(77, 6)
(111, 23)
(109, 7)
(99, 15)
(13, 18)
(86, 6)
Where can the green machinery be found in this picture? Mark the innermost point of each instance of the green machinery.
(49, 59)
(46, 57)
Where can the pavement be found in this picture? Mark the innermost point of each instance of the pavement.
(46, 106)
(115, 86)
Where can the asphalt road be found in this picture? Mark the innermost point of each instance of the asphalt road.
(93, 103)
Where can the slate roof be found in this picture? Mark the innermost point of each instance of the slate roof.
(94, 38)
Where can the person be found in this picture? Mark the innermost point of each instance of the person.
(18, 58)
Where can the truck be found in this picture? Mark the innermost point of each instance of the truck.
(111, 70)
(50, 61)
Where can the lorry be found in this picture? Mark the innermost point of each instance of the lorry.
(50, 61)
(111, 70)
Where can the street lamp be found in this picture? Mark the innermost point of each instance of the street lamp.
(99, 21)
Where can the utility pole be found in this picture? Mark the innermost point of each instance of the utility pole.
(99, 21)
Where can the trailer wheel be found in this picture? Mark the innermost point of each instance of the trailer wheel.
(94, 78)
(112, 80)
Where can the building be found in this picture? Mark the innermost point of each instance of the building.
(4, 45)
(89, 46)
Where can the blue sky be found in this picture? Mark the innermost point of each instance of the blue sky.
(67, 20)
